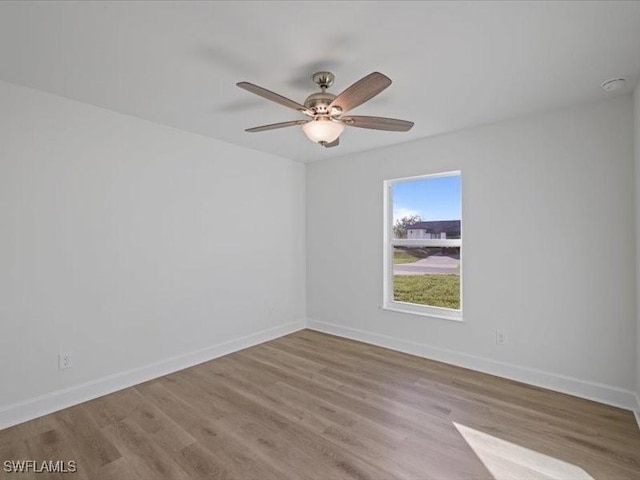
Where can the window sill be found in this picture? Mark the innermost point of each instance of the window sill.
(434, 312)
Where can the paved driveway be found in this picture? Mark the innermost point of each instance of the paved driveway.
(444, 264)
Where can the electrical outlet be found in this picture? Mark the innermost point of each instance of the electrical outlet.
(501, 337)
(64, 361)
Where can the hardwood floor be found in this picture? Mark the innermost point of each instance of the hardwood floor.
(314, 406)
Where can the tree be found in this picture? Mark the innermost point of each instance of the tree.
(401, 225)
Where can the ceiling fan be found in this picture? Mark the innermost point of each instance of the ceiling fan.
(327, 111)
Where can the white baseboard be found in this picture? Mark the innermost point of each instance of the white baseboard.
(58, 400)
(636, 410)
(598, 392)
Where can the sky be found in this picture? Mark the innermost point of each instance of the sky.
(436, 198)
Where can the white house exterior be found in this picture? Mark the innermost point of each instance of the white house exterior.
(441, 229)
(422, 234)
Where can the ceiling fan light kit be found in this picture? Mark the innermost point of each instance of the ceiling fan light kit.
(326, 109)
(322, 130)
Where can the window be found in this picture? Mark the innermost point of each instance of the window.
(423, 245)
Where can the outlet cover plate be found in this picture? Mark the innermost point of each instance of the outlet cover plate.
(64, 361)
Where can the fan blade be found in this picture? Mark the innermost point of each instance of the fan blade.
(378, 123)
(335, 143)
(273, 126)
(364, 89)
(274, 97)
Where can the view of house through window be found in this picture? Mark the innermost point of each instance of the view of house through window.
(424, 241)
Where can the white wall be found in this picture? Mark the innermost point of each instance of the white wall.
(566, 300)
(128, 243)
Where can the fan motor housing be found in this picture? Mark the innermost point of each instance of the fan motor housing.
(319, 102)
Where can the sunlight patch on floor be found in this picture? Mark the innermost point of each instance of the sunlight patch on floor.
(506, 460)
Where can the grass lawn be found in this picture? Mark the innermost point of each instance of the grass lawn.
(402, 256)
(412, 254)
(434, 290)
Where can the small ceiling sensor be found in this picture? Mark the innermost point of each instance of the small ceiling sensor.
(613, 84)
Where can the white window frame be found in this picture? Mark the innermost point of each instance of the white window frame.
(389, 243)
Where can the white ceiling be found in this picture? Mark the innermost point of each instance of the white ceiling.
(453, 65)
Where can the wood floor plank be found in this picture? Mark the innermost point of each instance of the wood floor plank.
(114, 407)
(93, 448)
(218, 440)
(52, 446)
(202, 464)
(137, 445)
(311, 406)
(162, 429)
(26, 430)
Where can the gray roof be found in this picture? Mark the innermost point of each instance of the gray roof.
(449, 226)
